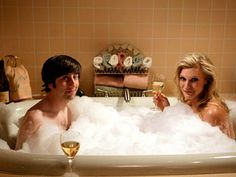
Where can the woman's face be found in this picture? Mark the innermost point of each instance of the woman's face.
(191, 82)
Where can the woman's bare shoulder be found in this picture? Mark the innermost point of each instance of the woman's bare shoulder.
(218, 115)
(215, 112)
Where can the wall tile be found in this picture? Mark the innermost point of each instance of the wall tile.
(42, 45)
(25, 3)
(176, 3)
(228, 60)
(42, 3)
(145, 30)
(56, 14)
(72, 45)
(86, 3)
(71, 15)
(11, 30)
(218, 16)
(10, 14)
(175, 16)
(203, 16)
(231, 4)
(230, 31)
(164, 30)
(203, 31)
(190, 4)
(173, 45)
(230, 45)
(188, 31)
(189, 16)
(26, 29)
(57, 45)
(219, 4)
(202, 45)
(71, 30)
(216, 46)
(231, 16)
(71, 3)
(160, 45)
(25, 14)
(188, 45)
(217, 31)
(228, 73)
(160, 16)
(160, 30)
(174, 30)
(161, 4)
(86, 15)
(41, 14)
(56, 29)
(41, 30)
(204, 4)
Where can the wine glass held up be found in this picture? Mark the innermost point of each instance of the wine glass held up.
(70, 144)
(158, 82)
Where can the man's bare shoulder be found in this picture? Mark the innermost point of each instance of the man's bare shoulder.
(34, 116)
(37, 111)
(29, 124)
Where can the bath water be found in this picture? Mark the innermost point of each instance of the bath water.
(129, 130)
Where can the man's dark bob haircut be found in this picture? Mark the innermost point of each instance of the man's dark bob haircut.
(58, 66)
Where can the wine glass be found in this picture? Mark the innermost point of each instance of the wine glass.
(70, 144)
(158, 82)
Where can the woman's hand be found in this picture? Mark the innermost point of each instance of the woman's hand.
(160, 100)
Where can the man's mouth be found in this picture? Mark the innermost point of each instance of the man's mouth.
(71, 90)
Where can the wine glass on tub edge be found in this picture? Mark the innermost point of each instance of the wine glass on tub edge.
(70, 144)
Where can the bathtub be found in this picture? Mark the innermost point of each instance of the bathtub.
(19, 163)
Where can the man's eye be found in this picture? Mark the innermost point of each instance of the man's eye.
(76, 77)
(65, 78)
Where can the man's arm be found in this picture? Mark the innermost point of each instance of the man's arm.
(29, 125)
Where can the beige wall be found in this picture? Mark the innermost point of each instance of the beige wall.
(165, 30)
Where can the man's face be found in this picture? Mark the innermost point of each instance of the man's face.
(67, 85)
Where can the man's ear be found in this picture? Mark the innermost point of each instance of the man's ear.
(50, 85)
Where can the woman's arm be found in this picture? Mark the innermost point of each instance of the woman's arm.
(161, 101)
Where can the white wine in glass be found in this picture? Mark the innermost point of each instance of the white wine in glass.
(157, 86)
(70, 145)
(158, 82)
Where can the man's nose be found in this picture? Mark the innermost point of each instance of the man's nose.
(72, 81)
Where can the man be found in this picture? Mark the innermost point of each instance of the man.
(60, 75)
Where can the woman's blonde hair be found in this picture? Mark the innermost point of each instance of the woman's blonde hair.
(195, 60)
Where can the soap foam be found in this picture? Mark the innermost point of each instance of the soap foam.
(133, 131)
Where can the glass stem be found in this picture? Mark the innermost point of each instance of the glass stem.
(70, 165)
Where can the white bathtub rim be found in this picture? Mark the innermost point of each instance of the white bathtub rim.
(132, 165)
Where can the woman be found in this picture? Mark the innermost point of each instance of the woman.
(196, 82)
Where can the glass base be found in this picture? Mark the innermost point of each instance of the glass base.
(70, 174)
